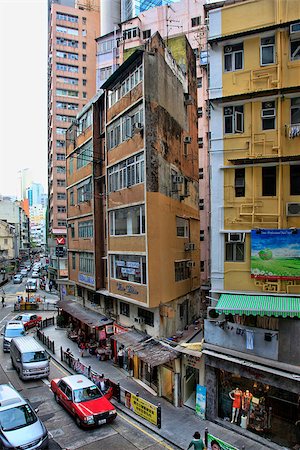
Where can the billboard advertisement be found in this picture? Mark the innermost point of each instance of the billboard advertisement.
(214, 443)
(275, 254)
(200, 401)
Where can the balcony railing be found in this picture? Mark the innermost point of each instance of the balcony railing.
(292, 131)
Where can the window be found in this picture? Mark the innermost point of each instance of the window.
(295, 111)
(182, 227)
(199, 82)
(86, 262)
(132, 80)
(66, 93)
(103, 73)
(71, 165)
(268, 115)
(72, 31)
(200, 142)
(60, 169)
(148, 316)
(67, 17)
(62, 223)
(68, 80)
(268, 181)
(83, 32)
(67, 68)
(85, 229)
(239, 182)
(66, 55)
(66, 42)
(64, 118)
(131, 33)
(84, 70)
(61, 209)
(72, 198)
(84, 20)
(201, 204)
(60, 156)
(84, 45)
(63, 105)
(72, 227)
(84, 94)
(202, 235)
(196, 21)
(84, 82)
(83, 57)
(122, 129)
(267, 50)
(146, 34)
(124, 309)
(129, 268)
(84, 191)
(85, 122)
(73, 260)
(200, 111)
(61, 196)
(61, 183)
(202, 266)
(295, 179)
(127, 221)
(182, 271)
(84, 154)
(295, 41)
(234, 119)
(233, 57)
(234, 251)
(61, 130)
(105, 47)
(201, 173)
(60, 144)
(126, 173)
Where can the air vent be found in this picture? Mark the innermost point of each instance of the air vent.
(293, 209)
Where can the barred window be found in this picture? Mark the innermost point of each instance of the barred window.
(86, 262)
(85, 154)
(126, 173)
(122, 129)
(85, 229)
(84, 191)
(132, 80)
(182, 271)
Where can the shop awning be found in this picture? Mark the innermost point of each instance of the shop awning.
(259, 305)
(155, 353)
(130, 338)
(90, 318)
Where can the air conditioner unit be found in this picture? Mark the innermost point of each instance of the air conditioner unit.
(214, 316)
(178, 179)
(188, 99)
(137, 127)
(189, 246)
(236, 237)
(187, 139)
(295, 30)
(139, 319)
(293, 209)
(190, 264)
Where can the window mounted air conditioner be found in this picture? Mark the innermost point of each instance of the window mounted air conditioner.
(295, 30)
(293, 209)
(178, 179)
(139, 320)
(236, 237)
(137, 127)
(190, 264)
(214, 316)
(187, 139)
(189, 246)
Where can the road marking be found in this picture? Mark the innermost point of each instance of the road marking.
(59, 367)
(145, 432)
(2, 320)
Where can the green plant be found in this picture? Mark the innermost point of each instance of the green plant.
(61, 321)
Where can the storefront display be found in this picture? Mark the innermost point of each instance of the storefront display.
(263, 409)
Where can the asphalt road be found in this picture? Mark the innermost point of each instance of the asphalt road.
(124, 433)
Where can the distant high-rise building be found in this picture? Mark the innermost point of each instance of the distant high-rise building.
(131, 8)
(35, 193)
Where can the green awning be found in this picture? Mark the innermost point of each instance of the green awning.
(259, 305)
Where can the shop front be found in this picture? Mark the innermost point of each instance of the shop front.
(192, 375)
(122, 342)
(265, 402)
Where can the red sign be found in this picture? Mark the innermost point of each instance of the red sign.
(60, 241)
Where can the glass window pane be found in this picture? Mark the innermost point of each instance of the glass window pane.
(228, 124)
(228, 63)
(267, 55)
(238, 60)
(239, 254)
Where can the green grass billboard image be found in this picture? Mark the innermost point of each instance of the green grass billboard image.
(275, 254)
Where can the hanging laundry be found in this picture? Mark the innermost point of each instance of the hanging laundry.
(249, 339)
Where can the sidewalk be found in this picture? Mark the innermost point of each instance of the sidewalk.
(178, 424)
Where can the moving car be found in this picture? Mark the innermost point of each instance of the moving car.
(24, 272)
(84, 400)
(17, 279)
(29, 320)
(20, 426)
(29, 358)
(31, 285)
(13, 328)
(35, 274)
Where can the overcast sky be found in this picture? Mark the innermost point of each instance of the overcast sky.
(23, 92)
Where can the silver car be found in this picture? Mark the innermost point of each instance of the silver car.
(20, 427)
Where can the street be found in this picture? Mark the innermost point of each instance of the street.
(124, 433)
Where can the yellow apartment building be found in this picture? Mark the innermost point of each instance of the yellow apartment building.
(253, 322)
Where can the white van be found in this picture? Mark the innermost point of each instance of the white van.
(29, 358)
(31, 285)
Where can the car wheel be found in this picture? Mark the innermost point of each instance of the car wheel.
(78, 422)
(56, 398)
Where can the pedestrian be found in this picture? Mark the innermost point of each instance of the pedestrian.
(121, 357)
(197, 442)
(69, 355)
(50, 285)
(82, 347)
(3, 301)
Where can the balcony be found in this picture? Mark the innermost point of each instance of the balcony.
(234, 337)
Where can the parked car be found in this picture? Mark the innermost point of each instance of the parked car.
(84, 400)
(20, 426)
(29, 320)
(13, 328)
(17, 279)
(35, 274)
(24, 272)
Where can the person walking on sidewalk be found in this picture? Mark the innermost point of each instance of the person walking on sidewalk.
(197, 442)
(3, 301)
(121, 357)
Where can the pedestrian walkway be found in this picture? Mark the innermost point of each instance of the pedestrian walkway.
(178, 424)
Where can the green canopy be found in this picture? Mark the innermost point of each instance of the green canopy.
(259, 305)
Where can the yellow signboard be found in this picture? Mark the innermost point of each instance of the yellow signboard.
(141, 407)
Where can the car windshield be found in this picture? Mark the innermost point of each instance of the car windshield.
(23, 318)
(14, 332)
(85, 394)
(18, 417)
(30, 357)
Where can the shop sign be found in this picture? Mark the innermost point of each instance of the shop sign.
(213, 442)
(141, 407)
(86, 279)
(192, 361)
(109, 329)
(129, 289)
(275, 254)
(200, 401)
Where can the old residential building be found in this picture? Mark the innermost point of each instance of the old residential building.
(253, 324)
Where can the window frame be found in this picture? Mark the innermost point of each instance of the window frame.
(234, 246)
(266, 181)
(268, 112)
(233, 57)
(294, 189)
(267, 45)
(236, 116)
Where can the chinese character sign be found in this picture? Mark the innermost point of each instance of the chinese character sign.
(141, 407)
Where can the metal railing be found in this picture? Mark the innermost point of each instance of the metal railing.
(45, 340)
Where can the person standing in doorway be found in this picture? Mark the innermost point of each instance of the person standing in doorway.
(197, 442)
(121, 357)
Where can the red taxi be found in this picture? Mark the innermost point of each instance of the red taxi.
(84, 400)
(29, 320)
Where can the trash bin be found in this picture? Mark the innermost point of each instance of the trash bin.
(244, 422)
